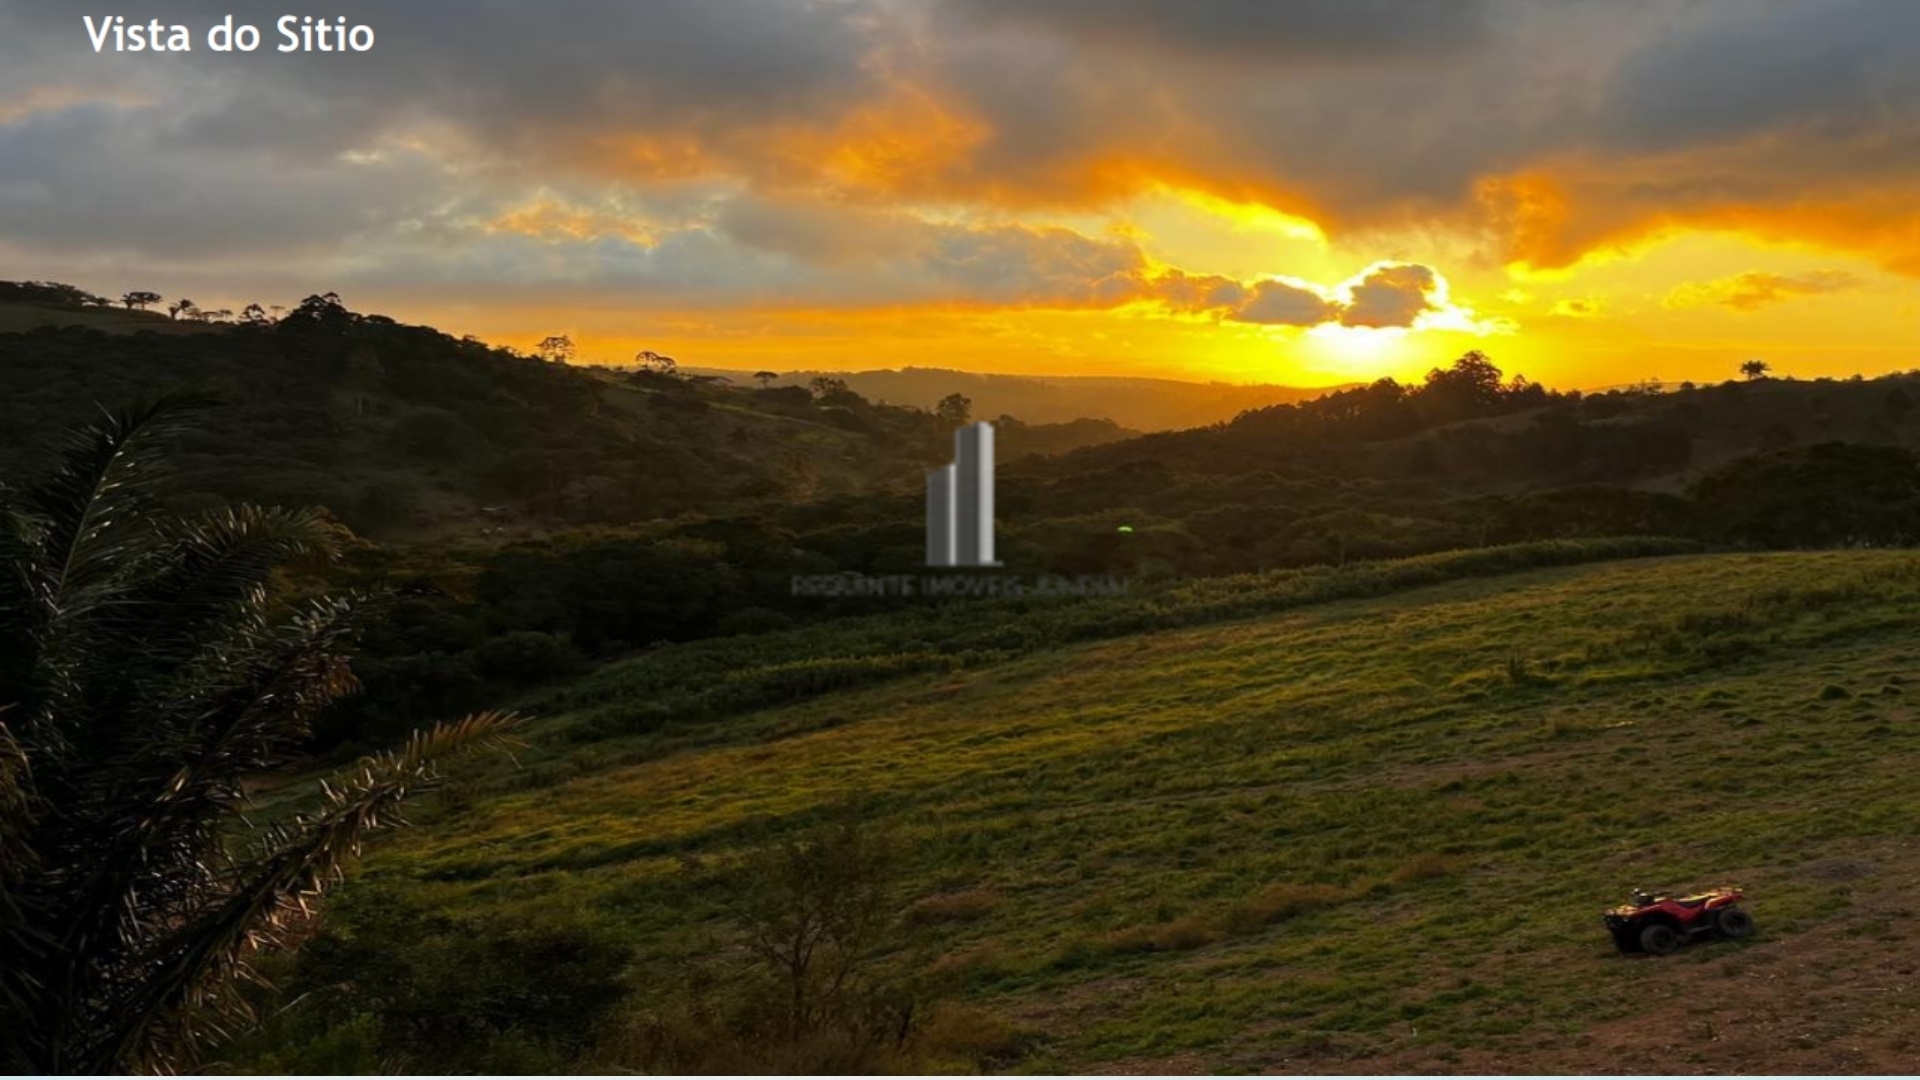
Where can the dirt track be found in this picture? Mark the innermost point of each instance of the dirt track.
(1842, 997)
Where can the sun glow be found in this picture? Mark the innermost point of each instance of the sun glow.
(1246, 216)
(1353, 351)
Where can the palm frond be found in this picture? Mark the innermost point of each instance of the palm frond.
(146, 669)
(162, 795)
(104, 475)
(297, 861)
(85, 526)
(218, 560)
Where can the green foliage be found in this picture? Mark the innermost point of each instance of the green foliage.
(1826, 495)
(527, 657)
(461, 995)
(800, 989)
(954, 410)
(148, 668)
(328, 405)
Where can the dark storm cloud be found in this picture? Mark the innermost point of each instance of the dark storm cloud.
(202, 152)
(512, 78)
(98, 179)
(1352, 113)
(1831, 66)
(1292, 30)
(759, 141)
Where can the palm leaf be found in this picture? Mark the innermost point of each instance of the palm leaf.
(105, 474)
(297, 861)
(146, 667)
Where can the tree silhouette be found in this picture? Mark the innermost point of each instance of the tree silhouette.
(656, 363)
(322, 310)
(147, 668)
(954, 410)
(253, 315)
(766, 378)
(1472, 386)
(182, 306)
(1755, 369)
(140, 299)
(557, 349)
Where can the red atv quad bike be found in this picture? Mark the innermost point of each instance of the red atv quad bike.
(1658, 924)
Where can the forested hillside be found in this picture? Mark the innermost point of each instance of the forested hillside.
(538, 517)
(405, 432)
(1471, 456)
(1142, 404)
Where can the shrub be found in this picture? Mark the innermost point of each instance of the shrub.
(527, 657)
(802, 989)
(465, 994)
(957, 1037)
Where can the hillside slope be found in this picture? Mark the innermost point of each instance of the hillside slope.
(1138, 403)
(1375, 833)
(405, 432)
(409, 434)
(1530, 438)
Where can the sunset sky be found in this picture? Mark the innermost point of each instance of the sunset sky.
(1313, 191)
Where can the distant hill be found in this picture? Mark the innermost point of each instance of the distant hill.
(1646, 438)
(408, 434)
(1143, 404)
(33, 305)
(1386, 471)
(405, 432)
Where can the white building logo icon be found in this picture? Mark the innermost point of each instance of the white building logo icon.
(960, 502)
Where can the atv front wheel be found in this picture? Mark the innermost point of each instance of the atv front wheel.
(1659, 939)
(1733, 922)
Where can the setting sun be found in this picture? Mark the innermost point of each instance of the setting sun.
(1356, 352)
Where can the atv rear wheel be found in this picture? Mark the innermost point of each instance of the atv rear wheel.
(1733, 922)
(1659, 939)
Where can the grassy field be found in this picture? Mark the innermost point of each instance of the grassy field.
(1367, 833)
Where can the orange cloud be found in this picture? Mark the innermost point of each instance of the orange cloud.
(554, 221)
(1754, 290)
(888, 146)
(1768, 188)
